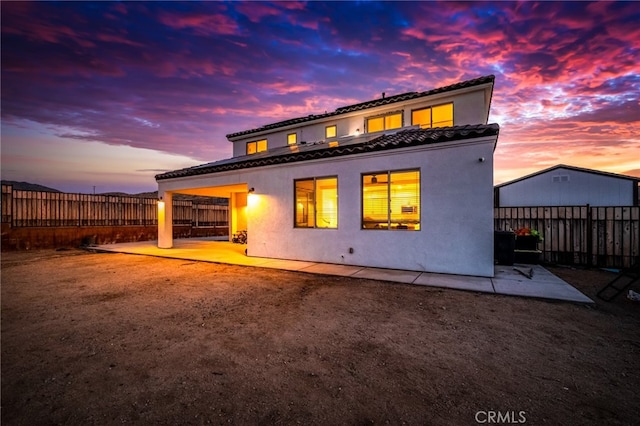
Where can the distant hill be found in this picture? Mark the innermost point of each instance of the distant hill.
(26, 186)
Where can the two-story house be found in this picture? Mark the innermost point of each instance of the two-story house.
(401, 182)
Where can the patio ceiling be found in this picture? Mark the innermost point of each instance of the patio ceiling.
(213, 191)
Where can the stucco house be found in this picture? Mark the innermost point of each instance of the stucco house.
(400, 182)
(563, 185)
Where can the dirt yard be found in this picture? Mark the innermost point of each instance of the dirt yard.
(112, 338)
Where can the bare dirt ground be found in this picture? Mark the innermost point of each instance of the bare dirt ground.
(112, 338)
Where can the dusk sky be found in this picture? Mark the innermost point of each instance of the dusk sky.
(109, 94)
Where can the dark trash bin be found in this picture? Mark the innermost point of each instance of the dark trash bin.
(504, 244)
(527, 249)
(526, 242)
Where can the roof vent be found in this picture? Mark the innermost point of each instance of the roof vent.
(382, 95)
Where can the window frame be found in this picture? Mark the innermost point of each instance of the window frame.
(384, 120)
(256, 144)
(389, 174)
(430, 108)
(315, 205)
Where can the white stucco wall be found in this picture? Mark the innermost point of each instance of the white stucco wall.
(574, 189)
(456, 233)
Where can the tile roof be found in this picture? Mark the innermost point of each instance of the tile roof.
(369, 104)
(357, 145)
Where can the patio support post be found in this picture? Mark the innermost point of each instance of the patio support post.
(232, 219)
(165, 220)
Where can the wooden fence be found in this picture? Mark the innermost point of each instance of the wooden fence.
(579, 235)
(58, 209)
(575, 235)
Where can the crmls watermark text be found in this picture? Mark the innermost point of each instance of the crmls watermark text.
(501, 417)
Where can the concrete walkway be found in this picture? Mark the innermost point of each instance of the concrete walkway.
(507, 279)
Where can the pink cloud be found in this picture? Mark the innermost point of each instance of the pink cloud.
(20, 20)
(201, 23)
(118, 39)
(257, 11)
(285, 87)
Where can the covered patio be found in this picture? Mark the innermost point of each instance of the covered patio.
(506, 281)
(236, 193)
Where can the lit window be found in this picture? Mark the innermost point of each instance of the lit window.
(391, 200)
(442, 115)
(256, 146)
(421, 117)
(384, 122)
(251, 148)
(316, 203)
(375, 124)
(292, 138)
(330, 132)
(437, 116)
(393, 121)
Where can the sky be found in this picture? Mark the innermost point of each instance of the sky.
(109, 94)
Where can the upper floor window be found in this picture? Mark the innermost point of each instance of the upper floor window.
(391, 200)
(316, 202)
(384, 122)
(256, 146)
(330, 131)
(292, 138)
(437, 116)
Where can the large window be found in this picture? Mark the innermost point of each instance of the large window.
(316, 202)
(256, 146)
(391, 200)
(384, 122)
(437, 116)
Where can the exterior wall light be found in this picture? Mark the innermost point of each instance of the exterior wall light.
(252, 190)
(161, 214)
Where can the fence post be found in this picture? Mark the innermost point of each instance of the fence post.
(7, 204)
(194, 211)
(589, 237)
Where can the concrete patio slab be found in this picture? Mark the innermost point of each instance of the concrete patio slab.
(558, 290)
(539, 273)
(332, 269)
(507, 280)
(459, 282)
(289, 265)
(394, 275)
